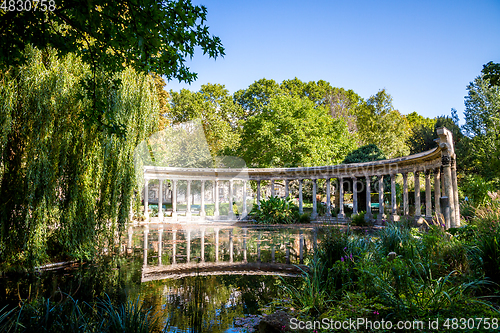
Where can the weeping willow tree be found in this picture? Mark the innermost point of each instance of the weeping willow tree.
(66, 183)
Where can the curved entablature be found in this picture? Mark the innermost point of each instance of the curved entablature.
(420, 162)
(439, 161)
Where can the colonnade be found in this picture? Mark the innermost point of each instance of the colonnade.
(438, 163)
(214, 232)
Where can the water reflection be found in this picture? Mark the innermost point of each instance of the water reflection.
(197, 279)
(170, 252)
(204, 277)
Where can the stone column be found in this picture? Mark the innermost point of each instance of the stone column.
(394, 205)
(273, 192)
(406, 207)
(354, 195)
(341, 214)
(160, 244)
(245, 211)
(258, 193)
(301, 206)
(258, 246)
(230, 212)
(315, 208)
(202, 209)
(455, 191)
(188, 246)
(448, 192)
(145, 246)
(245, 245)
(188, 199)
(231, 245)
(202, 244)
(428, 196)
(437, 191)
(328, 199)
(174, 247)
(216, 244)
(160, 201)
(301, 247)
(418, 211)
(368, 214)
(174, 199)
(216, 199)
(146, 199)
(287, 190)
(381, 213)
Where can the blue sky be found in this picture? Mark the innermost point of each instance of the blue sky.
(424, 53)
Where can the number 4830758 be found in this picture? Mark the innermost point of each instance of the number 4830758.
(28, 5)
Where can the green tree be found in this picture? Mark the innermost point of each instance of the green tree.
(380, 124)
(65, 187)
(422, 133)
(482, 126)
(256, 96)
(291, 131)
(110, 36)
(216, 108)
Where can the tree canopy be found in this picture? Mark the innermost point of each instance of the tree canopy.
(216, 108)
(147, 35)
(292, 131)
(482, 126)
(380, 124)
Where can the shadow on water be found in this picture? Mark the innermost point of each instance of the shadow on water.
(195, 279)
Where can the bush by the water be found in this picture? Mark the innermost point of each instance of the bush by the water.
(275, 210)
(404, 273)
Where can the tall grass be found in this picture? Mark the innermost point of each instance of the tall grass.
(70, 315)
(313, 297)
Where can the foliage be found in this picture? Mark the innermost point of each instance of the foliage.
(366, 153)
(380, 124)
(422, 133)
(59, 178)
(475, 188)
(305, 218)
(485, 253)
(293, 132)
(491, 72)
(359, 219)
(482, 127)
(218, 112)
(275, 210)
(148, 36)
(410, 290)
(70, 315)
(312, 298)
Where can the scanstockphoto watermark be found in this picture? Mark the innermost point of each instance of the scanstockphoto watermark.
(416, 325)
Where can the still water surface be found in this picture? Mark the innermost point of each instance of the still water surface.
(196, 278)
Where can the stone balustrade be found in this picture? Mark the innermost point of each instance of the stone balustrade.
(439, 162)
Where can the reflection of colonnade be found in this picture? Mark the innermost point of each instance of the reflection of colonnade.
(179, 258)
(439, 162)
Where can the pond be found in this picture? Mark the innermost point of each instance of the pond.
(197, 278)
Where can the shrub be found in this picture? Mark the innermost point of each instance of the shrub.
(305, 218)
(359, 219)
(275, 210)
(475, 188)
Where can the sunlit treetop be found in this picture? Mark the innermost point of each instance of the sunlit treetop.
(148, 35)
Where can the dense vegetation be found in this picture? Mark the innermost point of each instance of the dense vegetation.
(402, 273)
